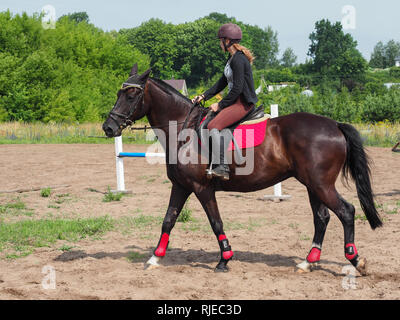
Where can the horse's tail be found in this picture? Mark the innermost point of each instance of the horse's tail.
(358, 164)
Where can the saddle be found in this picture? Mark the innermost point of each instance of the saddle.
(255, 120)
(255, 114)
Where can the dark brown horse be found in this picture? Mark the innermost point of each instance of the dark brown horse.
(311, 148)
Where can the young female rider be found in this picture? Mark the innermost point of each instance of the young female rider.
(240, 99)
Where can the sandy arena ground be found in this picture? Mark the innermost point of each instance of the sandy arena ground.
(268, 238)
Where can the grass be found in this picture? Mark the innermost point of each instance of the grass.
(20, 238)
(392, 208)
(360, 217)
(186, 213)
(139, 222)
(110, 196)
(15, 208)
(134, 256)
(62, 133)
(66, 247)
(382, 134)
(53, 206)
(45, 193)
(304, 237)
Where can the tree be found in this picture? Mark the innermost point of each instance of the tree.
(264, 45)
(77, 17)
(384, 56)
(288, 58)
(221, 18)
(199, 56)
(191, 50)
(157, 39)
(70, 73)
(378, 59)
(335, 54)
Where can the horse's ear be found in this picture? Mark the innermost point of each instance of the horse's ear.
(134, 70)
(144, 76)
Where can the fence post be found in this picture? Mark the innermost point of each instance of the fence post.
(278, 187)
(119, 165)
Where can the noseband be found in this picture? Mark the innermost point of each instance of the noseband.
(127, 121)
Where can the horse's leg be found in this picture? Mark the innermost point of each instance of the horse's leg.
(209, 204)
(177, 200)
(345, 212)
(321, 220)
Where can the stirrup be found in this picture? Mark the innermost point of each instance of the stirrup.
(221, 171)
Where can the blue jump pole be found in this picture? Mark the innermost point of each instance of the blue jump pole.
(139, 154)
(132, 155)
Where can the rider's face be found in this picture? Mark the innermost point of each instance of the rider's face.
(221, 44)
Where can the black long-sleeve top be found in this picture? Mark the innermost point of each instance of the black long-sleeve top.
(243, 84)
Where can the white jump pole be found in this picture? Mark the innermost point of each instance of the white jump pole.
(119, 162)
(278, 187)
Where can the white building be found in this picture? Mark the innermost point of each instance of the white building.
(391, 84)
(274, 87)
(397, 61)
(178, 84)
(307, 93)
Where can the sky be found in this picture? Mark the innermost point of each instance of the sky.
(368, 21)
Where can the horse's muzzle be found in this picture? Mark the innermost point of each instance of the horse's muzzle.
(109, 130)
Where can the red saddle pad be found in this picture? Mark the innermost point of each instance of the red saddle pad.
(248, 135)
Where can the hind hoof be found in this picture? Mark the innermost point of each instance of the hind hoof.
(222, 266)
(221, 269)
(362, 266)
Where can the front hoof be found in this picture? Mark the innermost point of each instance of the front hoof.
(362, 266)
(305, 266)
(222, 266)
(152, 263)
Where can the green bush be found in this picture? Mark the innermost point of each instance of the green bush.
(67, 74)
(394, 72)
(381, 108)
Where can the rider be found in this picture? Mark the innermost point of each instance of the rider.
(241, 97)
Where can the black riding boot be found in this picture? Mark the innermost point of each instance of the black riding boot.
(220, 166)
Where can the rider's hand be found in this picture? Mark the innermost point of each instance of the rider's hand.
(214, 107)
(197, 99)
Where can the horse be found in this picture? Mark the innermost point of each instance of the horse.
(311, 148)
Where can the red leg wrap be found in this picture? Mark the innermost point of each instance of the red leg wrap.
(227, 253)
(162, 245)
(350, 251)
(314, 255)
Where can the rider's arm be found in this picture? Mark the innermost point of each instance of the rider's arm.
(218, 87)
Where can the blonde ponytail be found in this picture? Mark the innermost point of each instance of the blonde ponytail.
(246, 52)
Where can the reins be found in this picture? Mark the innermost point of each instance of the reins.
(197, 104)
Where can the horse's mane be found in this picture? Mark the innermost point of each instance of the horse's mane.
(168, 89)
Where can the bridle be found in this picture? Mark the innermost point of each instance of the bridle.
(127, 118)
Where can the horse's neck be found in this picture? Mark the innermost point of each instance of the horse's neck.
(165, 112)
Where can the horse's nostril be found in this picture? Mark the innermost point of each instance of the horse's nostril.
(108, 131)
